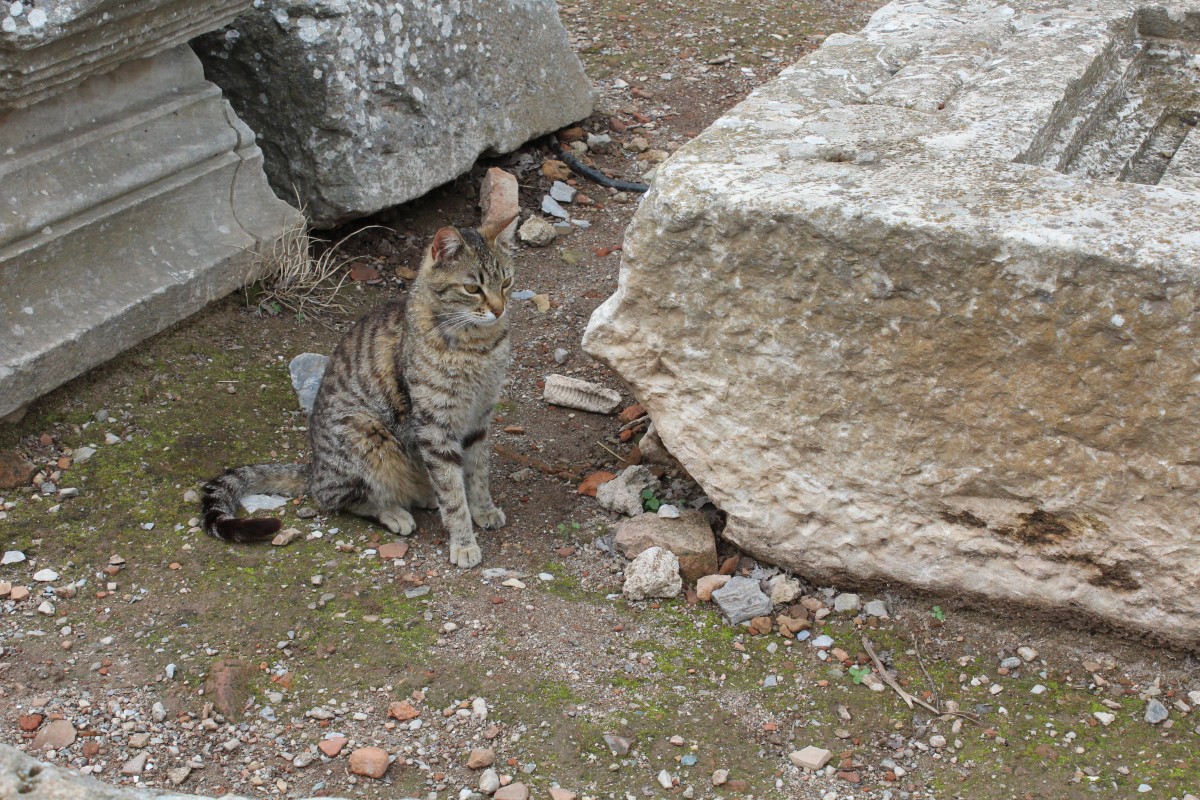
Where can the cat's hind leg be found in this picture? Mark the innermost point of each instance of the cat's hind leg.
(379, 478)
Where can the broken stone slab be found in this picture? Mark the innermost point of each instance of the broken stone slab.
(24, 776)
(623, 494)
(395, 103)
(307, 370)
(811, 758)
(654, 573)
(159, 201)
(741, 599)
(955, 272)
(561, 390)
(689, 537)
(49, 48)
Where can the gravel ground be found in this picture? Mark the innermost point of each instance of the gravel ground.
(146, 653)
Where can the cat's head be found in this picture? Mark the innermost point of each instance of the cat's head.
(469, 274)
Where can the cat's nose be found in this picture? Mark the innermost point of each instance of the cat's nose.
(496, 306)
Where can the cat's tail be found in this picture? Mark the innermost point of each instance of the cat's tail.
(223, 494)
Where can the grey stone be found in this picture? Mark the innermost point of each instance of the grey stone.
(654, 573)
(619, 745)
(1012, 662)
(689, 537)
(306, 370)
(159, 199)
(949, 329)
(550, 206)
(561, 355)
(623, 494)
(562, 192)
(360, 106)
(1156, 712)
(876, 608)
(82, 454)
(57, 45)
(740, 599)
(536, 232)
(26, 777)
(846, 601)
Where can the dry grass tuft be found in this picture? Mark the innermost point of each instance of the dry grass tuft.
(290, 276)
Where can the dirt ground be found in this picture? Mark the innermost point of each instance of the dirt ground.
(258, 654)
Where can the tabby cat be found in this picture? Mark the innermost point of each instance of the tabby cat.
(401, 418)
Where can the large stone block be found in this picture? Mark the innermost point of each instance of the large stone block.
(361, 106)
(26, 777)
(48, 47)
(924, 309)
(126, 204)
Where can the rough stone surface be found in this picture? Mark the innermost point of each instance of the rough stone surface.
(689, 537)
(369, 761)
(982, 340)
(536, 232)
(561, 390)
(396, 103)
(76, 40)
(623, 494)
(741, 599)
(514, 791)
(654, 573)
(25, 777)
(15, 469)
(159, 199)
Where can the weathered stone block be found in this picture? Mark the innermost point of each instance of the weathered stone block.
(48, 47)
(923, 309)
(126, 204)
(363, 106)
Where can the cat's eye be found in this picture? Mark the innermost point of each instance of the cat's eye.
(471, 288)
(506, 285)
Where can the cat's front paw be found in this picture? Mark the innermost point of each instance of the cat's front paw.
(398, 521)
(465, 556)
(489, 518)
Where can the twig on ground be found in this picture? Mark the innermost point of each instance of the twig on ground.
(929, 680)
(610, 452)
(905, 696)
(529, 461)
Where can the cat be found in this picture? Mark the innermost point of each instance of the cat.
(402, 415)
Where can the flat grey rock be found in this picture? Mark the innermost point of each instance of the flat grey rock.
(306, 370)
(741, 599)
(1156, 712)
(262, 502)
(550, 206)
(397, 99)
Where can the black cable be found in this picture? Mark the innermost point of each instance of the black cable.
(592, 174)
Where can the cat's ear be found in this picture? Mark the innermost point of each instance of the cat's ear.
(497, 228)
(446, 244)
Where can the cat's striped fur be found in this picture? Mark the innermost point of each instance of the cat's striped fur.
(401, 418)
